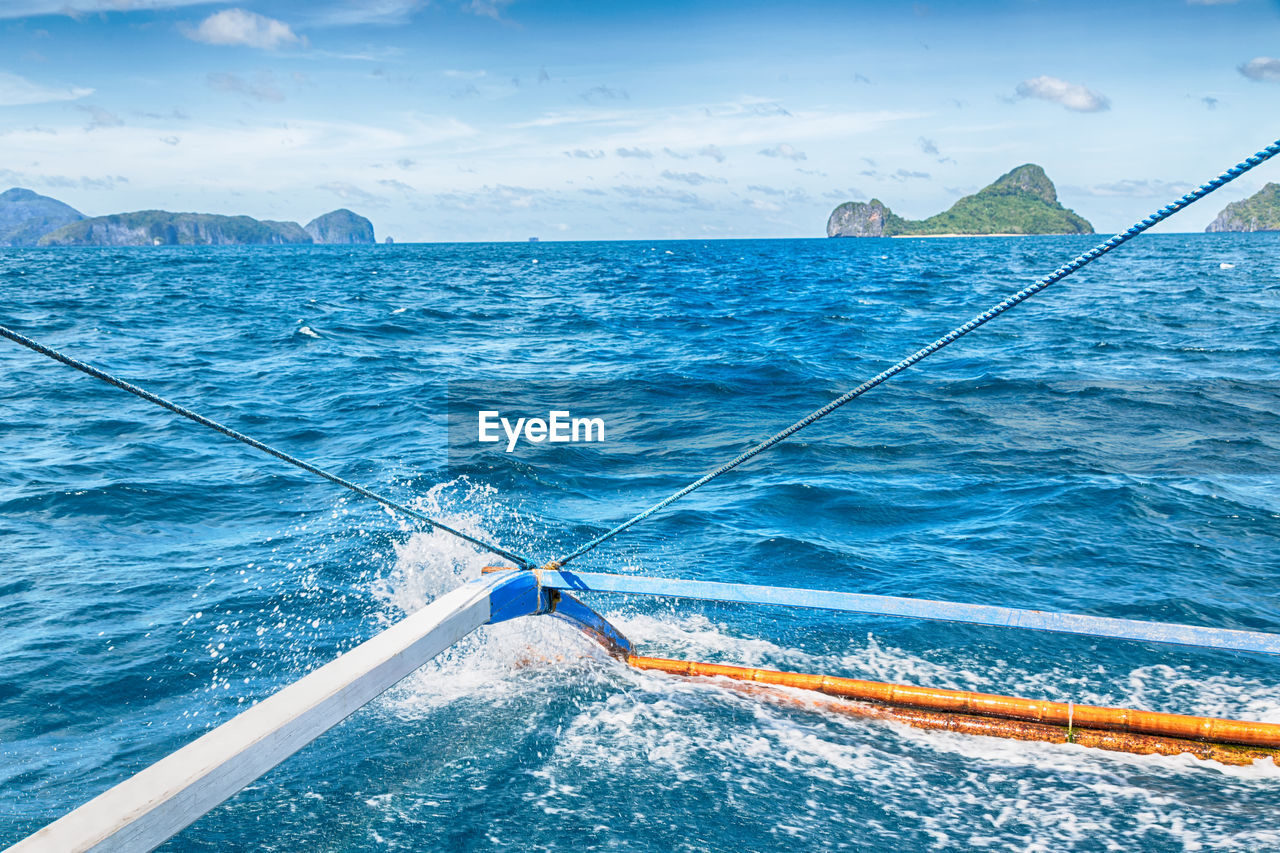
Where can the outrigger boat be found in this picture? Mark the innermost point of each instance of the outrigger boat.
(152, 806)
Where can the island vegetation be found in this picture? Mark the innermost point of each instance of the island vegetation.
(1023, 201)
(30, 219)
(1258, 212)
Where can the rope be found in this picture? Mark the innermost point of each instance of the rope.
(254, 443)
(955, 334)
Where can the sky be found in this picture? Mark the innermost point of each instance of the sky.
(459, 120)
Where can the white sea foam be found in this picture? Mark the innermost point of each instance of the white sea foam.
(1258, 492)
(490, 663)
(812, 773)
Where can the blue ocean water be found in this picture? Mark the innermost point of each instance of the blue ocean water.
(1112, 447)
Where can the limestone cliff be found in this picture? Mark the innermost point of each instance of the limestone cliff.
(1023, 201)
(162, 228)
(1258, 212)
(29, 219)
(340, 226)
(863, 219)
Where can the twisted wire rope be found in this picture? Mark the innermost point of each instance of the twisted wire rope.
(955, 334)
(258, 445)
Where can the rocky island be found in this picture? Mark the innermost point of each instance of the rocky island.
(29, 219)
(1258, 212)
(340, 226)
(162, 228)
(1024, 201)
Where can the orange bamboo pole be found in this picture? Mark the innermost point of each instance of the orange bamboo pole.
(1126, 729)
(1140, 744)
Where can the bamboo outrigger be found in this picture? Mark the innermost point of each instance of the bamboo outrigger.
(145, 810)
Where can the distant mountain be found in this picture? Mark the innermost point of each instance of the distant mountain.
(340, 226)
(28, 219)
(162, 228)
(1258, 212)
(26, 216)
(1024, 201)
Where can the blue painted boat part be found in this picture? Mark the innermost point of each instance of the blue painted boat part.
(593, 624)
(520, 594)
(915, 608)
(517, 594)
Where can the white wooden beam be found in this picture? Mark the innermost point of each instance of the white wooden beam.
(143, 811)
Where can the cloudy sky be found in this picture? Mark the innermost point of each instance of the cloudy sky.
(504, 119)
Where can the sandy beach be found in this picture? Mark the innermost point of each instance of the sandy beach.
(934, 236)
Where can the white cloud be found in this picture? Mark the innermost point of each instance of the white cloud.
(237, 27)
(852, 193)
(1143, 188)
(256, 160)
(98, 117)
(692, 178)
(906, 175)
(280, 167)
(715, 152)
(784, 150)
(762, 205)
(659, 198)
(712, 151)
(1073, 96)
(368, 12)
(61, 182)
(502, 197)
(350, 192)
(703, 130)
(263, 88)
(599, 94)
(1263, 68)
(487, 8)
(16, 91)
(34, 8)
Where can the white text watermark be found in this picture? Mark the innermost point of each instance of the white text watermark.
(559, 427)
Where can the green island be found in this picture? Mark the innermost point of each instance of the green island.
(1023, 201)
(162, 228)
(29, 219)
(1258, 212)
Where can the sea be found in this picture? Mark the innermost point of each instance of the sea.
(1111, 447)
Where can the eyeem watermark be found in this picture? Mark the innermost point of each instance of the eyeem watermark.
(569, 424)
(504, 431)
(560, 427)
